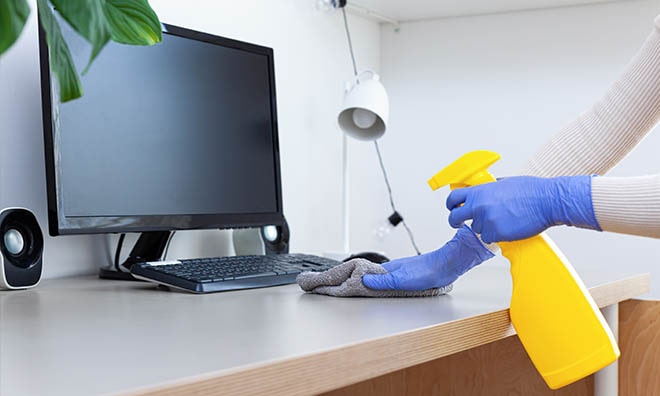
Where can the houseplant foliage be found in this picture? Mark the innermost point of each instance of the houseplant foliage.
(131, 22)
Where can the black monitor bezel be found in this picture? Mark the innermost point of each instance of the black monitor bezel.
(58, 224)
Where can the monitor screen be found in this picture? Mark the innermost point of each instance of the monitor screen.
(180, 135)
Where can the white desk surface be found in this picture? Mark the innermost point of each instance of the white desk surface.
(85, 336)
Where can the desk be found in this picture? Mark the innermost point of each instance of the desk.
(85, 336)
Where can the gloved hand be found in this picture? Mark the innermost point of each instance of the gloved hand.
(435, 269)
(520, 207)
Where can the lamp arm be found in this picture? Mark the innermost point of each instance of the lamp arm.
(345, 196)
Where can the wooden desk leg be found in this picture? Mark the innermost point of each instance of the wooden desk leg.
(606, 381)
(639, 340)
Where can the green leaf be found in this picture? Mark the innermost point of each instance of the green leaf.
(88, 19)
(60, 57)
(13, 14)
(132, 22)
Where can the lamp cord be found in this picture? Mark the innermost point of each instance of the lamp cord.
(380, 158)
(350, 42)
(389, 191)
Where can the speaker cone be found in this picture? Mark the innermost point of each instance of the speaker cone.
(22, 242)
(276, 238)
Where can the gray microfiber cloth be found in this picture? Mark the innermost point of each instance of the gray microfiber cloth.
(345, 280)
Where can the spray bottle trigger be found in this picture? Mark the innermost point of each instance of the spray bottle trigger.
(454, 186)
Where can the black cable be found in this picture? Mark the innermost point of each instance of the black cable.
(120, 242)
(350, 42)
(389, 191)
(380, 158)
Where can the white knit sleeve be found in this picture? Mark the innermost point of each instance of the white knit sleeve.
(628, 205)
(603, 135)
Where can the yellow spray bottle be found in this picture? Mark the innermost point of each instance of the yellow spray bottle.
(557, 320)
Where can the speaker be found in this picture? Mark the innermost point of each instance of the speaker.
(270, 239)
(21, 249)
(276, 238)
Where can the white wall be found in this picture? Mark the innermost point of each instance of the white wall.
(311, 65)
(505, 83)
(500, 82)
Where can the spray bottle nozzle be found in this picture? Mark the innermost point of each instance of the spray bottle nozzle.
(468, 170)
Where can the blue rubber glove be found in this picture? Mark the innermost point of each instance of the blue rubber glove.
(435, 269)
(520, 207)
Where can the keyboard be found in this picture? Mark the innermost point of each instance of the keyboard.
(216, 274)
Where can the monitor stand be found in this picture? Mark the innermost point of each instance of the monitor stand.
(149, 247)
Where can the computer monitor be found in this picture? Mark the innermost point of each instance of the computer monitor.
(178, 136)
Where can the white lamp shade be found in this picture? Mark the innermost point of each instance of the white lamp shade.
(366, 109)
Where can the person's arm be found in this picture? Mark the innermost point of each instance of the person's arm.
(603, 135)
(592, 144)
(628, 205)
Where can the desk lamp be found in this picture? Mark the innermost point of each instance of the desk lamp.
(363, 116)
(366, 108)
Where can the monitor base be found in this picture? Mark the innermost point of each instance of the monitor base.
(106, 273)
(149, 247)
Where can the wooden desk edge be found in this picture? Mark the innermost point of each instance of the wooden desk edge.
(323, 371)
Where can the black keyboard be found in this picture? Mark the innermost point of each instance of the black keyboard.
(215, 274)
